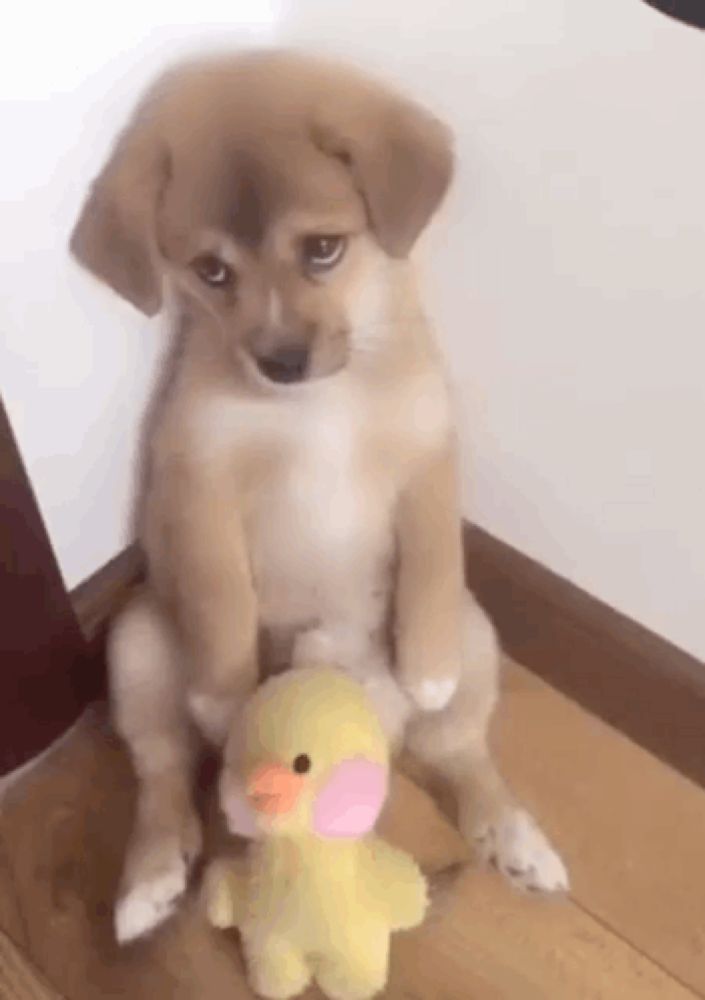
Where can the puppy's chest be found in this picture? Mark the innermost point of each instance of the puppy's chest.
(329, 465)
(321, 509)
(318, 478)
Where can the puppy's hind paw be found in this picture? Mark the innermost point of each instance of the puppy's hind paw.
(148, 904)
(522, 853)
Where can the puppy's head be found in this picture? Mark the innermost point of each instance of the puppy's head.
(270, 191)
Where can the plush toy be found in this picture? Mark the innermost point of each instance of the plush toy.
(317, 894)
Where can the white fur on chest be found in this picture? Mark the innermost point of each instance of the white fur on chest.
(318, 527)
(320, 532)
(320, 524)
(320, 482)
(316, 491)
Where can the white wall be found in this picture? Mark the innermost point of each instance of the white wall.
(568, 275)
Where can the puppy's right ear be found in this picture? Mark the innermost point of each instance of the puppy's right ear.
(115, 236)
(400, 157)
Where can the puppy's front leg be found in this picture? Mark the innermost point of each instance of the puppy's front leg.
(211, 588)
(429, 586)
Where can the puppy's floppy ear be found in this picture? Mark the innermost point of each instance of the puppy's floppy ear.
(115, 236)
(401, 159)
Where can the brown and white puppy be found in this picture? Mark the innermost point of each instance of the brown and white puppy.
(301, 496)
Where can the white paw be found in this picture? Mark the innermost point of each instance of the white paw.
(520, 850)
(149, 903)
(391, 704)
(433, 695)
(314, 646)
(212, 716)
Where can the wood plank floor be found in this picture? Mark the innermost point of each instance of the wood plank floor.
(632, 830)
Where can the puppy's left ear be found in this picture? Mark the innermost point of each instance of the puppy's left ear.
(401, 159)
(115, 235)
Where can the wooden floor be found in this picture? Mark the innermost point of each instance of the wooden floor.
(633, 833)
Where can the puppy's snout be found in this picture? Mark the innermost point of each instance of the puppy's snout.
(287, 364)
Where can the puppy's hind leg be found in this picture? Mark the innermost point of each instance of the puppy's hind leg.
(149, 714)
(452, 743)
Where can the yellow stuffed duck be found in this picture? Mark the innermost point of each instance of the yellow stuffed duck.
(319, 893)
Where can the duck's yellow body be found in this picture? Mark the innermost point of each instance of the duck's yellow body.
(318, 894)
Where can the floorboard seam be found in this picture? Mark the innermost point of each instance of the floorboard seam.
(637, 948)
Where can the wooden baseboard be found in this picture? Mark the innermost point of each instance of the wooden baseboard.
(615, 668)
(101, 596)
(620, 671)
(98, 599)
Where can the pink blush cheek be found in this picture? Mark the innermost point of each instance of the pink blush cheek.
(350, 802)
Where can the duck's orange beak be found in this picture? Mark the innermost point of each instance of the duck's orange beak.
(273, 789)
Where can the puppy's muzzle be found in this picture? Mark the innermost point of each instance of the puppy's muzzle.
(288, 364)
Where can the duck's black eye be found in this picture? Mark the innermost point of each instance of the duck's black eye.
(213, 271)
(302, 763)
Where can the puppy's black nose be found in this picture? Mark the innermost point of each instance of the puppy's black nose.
(288, 364)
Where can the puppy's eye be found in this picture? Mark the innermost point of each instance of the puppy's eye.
(302, 763)
(213, 271)
(321, 253)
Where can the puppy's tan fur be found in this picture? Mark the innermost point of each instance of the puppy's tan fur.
(287, 523)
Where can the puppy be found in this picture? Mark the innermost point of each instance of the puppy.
(301, 497)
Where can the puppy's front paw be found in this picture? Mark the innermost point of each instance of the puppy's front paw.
(432, 694)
